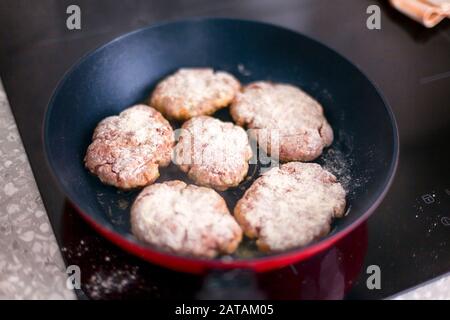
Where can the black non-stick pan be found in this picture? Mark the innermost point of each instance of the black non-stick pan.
(124, 72)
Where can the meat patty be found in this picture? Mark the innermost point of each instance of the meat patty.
(290, 206)
(287, 123)
(192, 92)
(128, 149)
(213, 153)
(185, 219)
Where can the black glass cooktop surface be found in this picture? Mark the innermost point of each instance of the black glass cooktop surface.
(408, 237)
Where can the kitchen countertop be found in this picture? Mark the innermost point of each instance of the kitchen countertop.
(31, 266)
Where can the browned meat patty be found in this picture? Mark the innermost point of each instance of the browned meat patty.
(213, 153)
(193, 92)
(287, 123)
(290, 206)
(127, 149)
(185, 219)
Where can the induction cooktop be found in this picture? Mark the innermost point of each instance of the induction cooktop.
(407, 238)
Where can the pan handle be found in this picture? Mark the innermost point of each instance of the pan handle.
(236, 284)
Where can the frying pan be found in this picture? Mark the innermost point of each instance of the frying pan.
(123, 72)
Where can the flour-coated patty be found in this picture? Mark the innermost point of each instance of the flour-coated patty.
(185, 219)
(127, 149)
(213, 153)
(287, 123)
(290, 206)
(191, 92)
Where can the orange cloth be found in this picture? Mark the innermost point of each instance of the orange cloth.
(427, 12)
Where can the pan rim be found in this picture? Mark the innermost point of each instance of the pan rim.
(110, 232)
